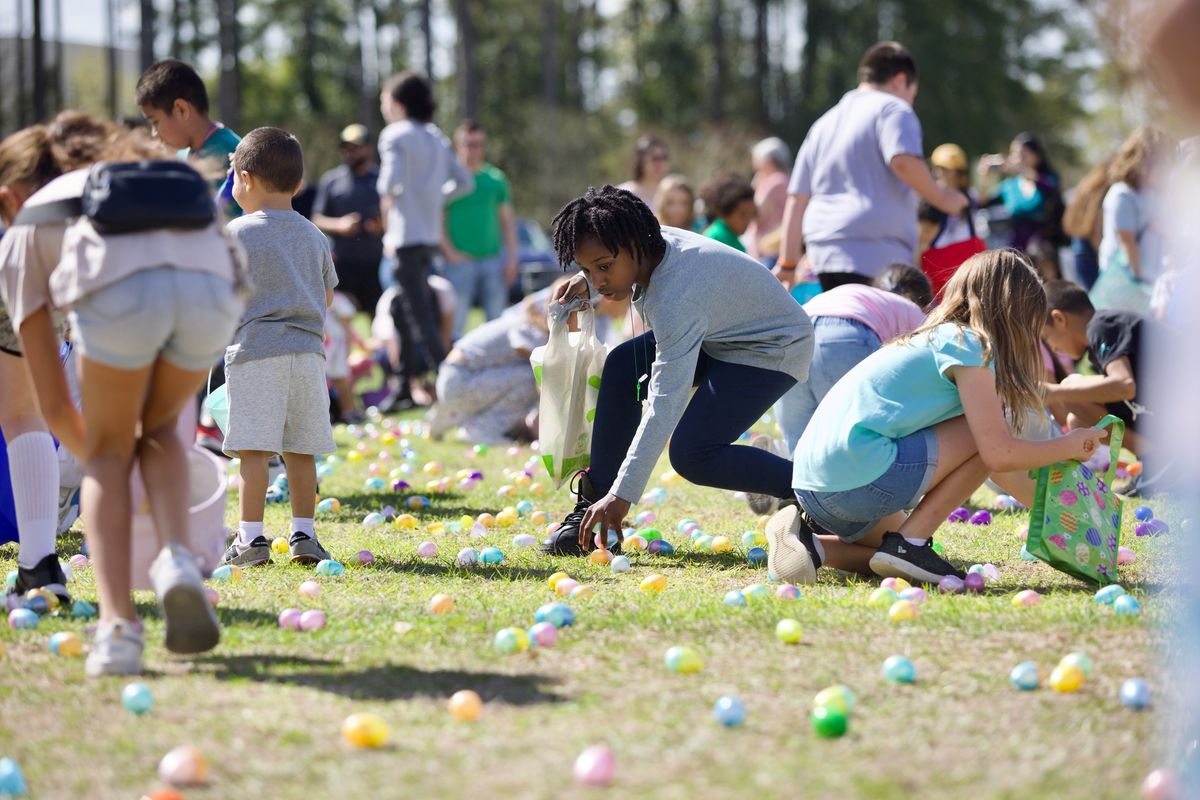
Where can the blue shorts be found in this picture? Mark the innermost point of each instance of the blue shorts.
(850, 514)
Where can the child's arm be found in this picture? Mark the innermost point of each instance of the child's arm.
(999, 449)
(1115, 385)
(40, 343)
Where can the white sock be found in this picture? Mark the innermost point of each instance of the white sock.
(916, 542)
(820, 548)
(305, 525)
(249, 531)
(33, 466)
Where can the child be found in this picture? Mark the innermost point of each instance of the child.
(849, 323)
(275, 368)
(1112, 341)
(720, 323)
(920, 424)
(175, 103)
(675, 203)
(730, 199)
(140, 362)
(339, 336)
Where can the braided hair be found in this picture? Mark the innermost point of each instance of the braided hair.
(615, 217)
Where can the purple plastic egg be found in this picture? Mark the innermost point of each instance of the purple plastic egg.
(951, 584)
(959, 515)
(427, 549)
(400, 486)
(1144, 529)
(290, 618)
(973, 582)
(654, 547)
(366, 557)
(981, 517)
(1157, 526)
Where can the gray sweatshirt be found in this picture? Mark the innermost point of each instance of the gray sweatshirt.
(707, 296)
(420, 172)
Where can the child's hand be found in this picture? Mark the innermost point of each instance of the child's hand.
(576, 287)
(609, 512)
(1085, 442)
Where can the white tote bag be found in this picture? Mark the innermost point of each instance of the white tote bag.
(567, 369)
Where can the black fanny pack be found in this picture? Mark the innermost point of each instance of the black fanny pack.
(133, 196)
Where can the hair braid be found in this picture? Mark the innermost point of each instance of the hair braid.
(615, 217)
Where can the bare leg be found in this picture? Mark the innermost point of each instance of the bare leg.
(1084, 415)
(959, 472)
(252, 497)
(1017, 484)
(302, 483)
(846, 556)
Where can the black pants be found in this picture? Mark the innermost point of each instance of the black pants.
(415, 312)
(360, 280)
(831, 280)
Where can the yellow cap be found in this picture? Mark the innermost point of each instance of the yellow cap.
(355, 134)
(949, 156)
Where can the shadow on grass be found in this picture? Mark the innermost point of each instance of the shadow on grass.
(354, 505)
(439, 569)
(226, 616)
(385, 682)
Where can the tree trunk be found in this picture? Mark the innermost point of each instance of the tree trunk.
(365, 80)
(468, 66)
(229, 40)
(762, 64)
(111, 93)
(39, 63)
(176, 29)
(146, 39)
(427, 35)
(308, 67)
(573, 68)
(639, 62)
(60, 75)
(194, 43)
(550, 76)
(717, 44)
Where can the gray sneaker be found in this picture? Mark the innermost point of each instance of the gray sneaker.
(188, 616)
(762, 503)
(306, 550)
(255, 554)
(116, 650)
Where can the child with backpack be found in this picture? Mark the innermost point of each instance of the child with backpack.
(921, 424)
(149, 310)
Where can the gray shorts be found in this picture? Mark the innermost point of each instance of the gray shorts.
(279, 405)
(186, 317)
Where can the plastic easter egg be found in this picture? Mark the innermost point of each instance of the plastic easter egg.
(491, 555)
(756, 556)
(372, 520)
(902, 611)
(1026, 555)
(899, 669)
(735, 599)
(12, 782)
(756, 592)
(506, 519)
(511, 640)
(1078, 660)
(289, 619)
(653, 583)
(365, 557)
(974, 582)
(1026, 597)
(427, 549)
(312, 620)
(524, 508)
(555, 578)
(839, 698)
(82, 609)
(364, 730)
(897, 585)
(787, 592)
(226, 572)
(582, 592)
(619, 564)
(645, 518)
(883, 597)
(595, 766)
(465, 706)
(441, 604)
(329, 568)
(729, 711)
(914, 593)
(564, 587)
(183, 766)
(683, 524)
(601, 557)
(66, 644)
(1109, 594)
(279, 546)
(1025, 676)
(22, 619)
(486, 520)
(650, 534)
(789, 631)
(752, 539)
(467, 557)
(1066, 678)
(417, 502)
(399, 484)
(1125, 556)
(828, 722)
(137, 698)
(560, 615)
(634, 543)
(660, 547)
(1023, 533)
(1135, 694)
(981, 517)
(330, 505)
(976, 569)
(991, 572)
(1127, 606)
(539, 518)
(683, 660)
(950, 584)
(1143, 513)
(1162, 784)
(374, 484)
(1143, 529)
(1158, 527)
(721, 544)
(543, 634)
(406, 522)
(524, 540)
(78, 561)
(959, 515)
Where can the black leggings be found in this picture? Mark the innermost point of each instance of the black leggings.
(415, 312)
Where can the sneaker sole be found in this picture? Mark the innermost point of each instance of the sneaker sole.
(189, 621)
(311, 557)
(787, 559)
(110, 668)
(886, 565)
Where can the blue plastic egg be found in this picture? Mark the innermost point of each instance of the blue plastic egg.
(1127, 606)
(10, 583)
(735, 598)
(1026, 555)
(491, 555)
(330, 568)
(899, 669)
(560, 615)
(1143, 513)
(22, 619)
(683, 523)
(1025, 676)
(12, 782)
(137, 698)
(1135, 693)
(756, 557)
(524, 508)
(82, 609)
(374, 484)
(729, 711)
(223, 573)
(1108, 594)
(660, 547)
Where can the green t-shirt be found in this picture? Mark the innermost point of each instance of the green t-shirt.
(720, 231)
(211, 159)
(473, 221)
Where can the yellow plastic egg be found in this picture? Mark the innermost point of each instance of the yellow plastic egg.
(522, 479)
(539, 518)
(387, 440)
(634, 543)
(465, 706)
(1066, 678)
(582, 592)
(553, 580)
(654, 583)
(354, 455)
(486, 520)
(279, 545)
(763, 520)
(902, 611)
(364, 730)
(601, 557)
(506, 520)
(507, 490)
(406, 522)
(669, 478)
(436, 528)
(537, 489)
(466, 521)
(721, 544)
(433, 468)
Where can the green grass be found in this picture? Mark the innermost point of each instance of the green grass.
(266, 705)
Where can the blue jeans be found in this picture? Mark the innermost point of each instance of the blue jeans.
(850, 514)
(479, 281)
(729, 399)
(838, 345)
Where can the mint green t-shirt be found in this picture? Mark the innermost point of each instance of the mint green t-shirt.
(211, 159)
(894, 392)
(473, 221)
(724, 234)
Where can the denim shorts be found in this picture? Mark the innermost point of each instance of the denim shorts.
(184, 316)
(850, 514)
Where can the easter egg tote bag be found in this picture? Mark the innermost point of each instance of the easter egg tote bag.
(1075, 524)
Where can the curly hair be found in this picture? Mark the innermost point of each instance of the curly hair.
(615, 217)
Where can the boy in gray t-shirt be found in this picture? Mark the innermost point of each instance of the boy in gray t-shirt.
(275, 367)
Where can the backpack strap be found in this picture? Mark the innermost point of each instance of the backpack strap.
(967, 214)
(46, 213)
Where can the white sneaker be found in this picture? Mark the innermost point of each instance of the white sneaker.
(189, 619)
(788, 560)
(116, 650)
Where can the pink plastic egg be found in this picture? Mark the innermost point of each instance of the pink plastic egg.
(595, 766)
(1027, 597)
(565, 586)
(289, 618)
(310, 588)
(951, 584)
(427, 549)
(1125, 555)
(1161, 784)
(787, 592)
(312, 620)
(544, 633)
(914, 593)
(973, 582)
(78, 561)
(213, 597)
(1023, 533)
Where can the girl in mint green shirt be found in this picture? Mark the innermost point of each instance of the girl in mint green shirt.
(920, 424)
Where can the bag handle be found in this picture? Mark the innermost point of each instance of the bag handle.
(946, 222)
(1114, 443)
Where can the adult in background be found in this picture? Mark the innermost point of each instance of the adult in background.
(1031, 192)
(1083, 221)
(346, 209)
(480, 245)
(651, 163)
(418, 174)
(851, 201)
(772, 161)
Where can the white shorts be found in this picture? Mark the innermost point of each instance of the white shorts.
(279, 405)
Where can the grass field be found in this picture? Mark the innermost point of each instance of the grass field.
(266, 706)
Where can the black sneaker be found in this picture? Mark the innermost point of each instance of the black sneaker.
(305, 549)
(48, 575)
(792, 555)
(255, 554)
(565, 539)
(899, 558)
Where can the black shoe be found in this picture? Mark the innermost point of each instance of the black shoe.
(255, 554)
(565, 539)
(898, 558)
(48, 575)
